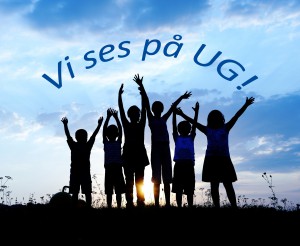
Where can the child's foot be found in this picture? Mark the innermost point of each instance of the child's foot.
(140, 203)
(129, 205)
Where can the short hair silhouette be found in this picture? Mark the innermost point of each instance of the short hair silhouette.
(161, 161)
(134, 113)
(157, 107)
(112, 132)
(215, 119)
(81, 135)
(184, 127)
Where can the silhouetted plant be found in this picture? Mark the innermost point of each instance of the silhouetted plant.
(99, 198)
(31, 199)
(208, 201)
(98, 194)
(287, 205)
(5, 195)
(242, 201)
(274, 199)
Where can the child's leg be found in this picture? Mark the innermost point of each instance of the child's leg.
(74, 199)
(167, 173)
(167, 190)
(230, 193)
(88, 199)
(119, 200)
(179, 199)
(109, 200)
(156, 192)
(214, 186)
(129, 176)
(190, 199)
(139, 183)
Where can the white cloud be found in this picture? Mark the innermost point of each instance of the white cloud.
(270, 144)
(14, 126)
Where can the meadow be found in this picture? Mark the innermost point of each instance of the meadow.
(53, 221)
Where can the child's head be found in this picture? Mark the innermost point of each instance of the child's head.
(215, 119)
(112, 132)
(184, 128)
(157, 108)
(134, 113)
(81, 135)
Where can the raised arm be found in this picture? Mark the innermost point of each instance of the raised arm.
(100, 120)
(196, 109)
(108, 115)
(186, 95)
(145, 99)
(174, 124)
(199, 126)
(234, 119)
(143, 111)
(64, 120)
(115, 115)
(121, 107)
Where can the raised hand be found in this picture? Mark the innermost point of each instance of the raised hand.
(114, 113)
(64, 120)
(249, 101)
(109, 112)
(186, 95)
(178, 111)
(138, 80)
(196, 108)
(100, 120)
(121, 90)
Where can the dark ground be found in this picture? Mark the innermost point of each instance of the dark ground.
(41, 224)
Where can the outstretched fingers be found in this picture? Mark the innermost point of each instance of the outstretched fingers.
(109, 111)
(114, 112)
(250, 100)
(187, 94)
(137, 79)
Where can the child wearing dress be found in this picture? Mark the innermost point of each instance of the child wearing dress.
(218, 167)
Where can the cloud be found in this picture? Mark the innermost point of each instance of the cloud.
(257, 13)
(14, 126)
(269, 145)
(49, 118)
(249, 8)
(106, 15)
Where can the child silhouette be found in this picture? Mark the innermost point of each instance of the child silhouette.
(184, 157)
(218, 167)
(113, 164)
(161, 161)
(134, 152)
(80, 174)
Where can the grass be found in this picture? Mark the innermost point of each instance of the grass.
(99, 198)
(254, 222)
(41, 223)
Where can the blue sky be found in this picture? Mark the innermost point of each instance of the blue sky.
(262, 36)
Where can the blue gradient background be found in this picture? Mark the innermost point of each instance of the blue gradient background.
(263, 36)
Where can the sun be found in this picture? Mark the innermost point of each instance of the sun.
(148, 187)
(148, 192)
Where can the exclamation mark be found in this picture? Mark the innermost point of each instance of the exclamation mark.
(247, 82)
